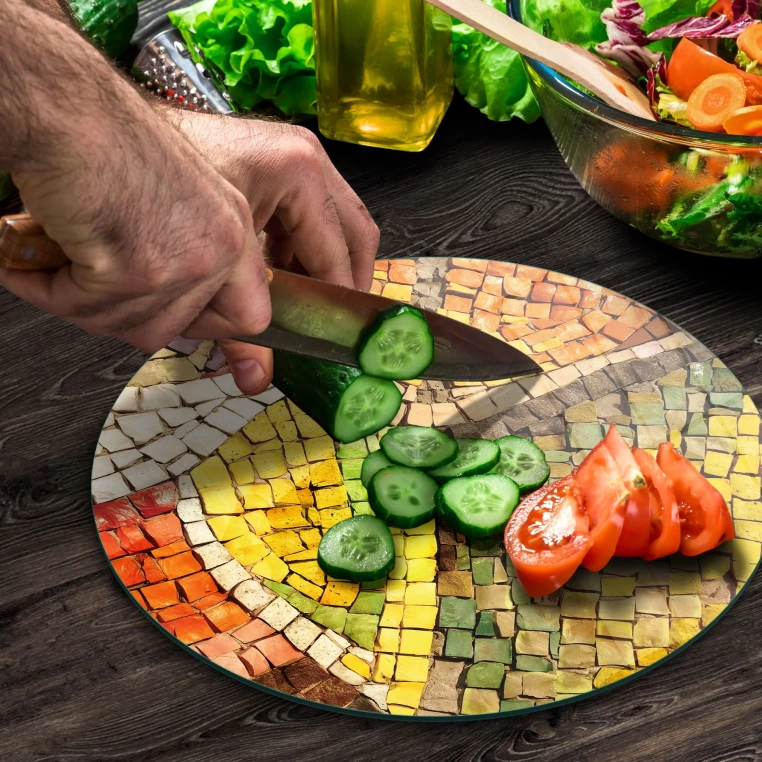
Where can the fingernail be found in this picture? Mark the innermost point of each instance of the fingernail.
(251, 374)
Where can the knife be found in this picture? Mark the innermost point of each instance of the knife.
(313, 318)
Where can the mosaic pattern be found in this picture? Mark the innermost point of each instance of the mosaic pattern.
(211, 504)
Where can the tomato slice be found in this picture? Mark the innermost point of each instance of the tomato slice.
(548, 536)
(704, 517)
(605, 499)
(664, 514)
(636, 530)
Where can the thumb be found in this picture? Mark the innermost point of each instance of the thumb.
(252, 366)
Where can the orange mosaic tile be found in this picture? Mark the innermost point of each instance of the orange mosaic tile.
(571, 330)
(226, 616)
(162, 595)
(190, 629)
(658, 328)
(561, 279)
(514, 332)
(537, 337)
(493, 285)
(615, 305)
(381, 265)
(256, 629)
(175, 612)
(538, 310)
(542, 324)
(202, 604)
(641, 336)
(513, 307)
(500, 269)
(376, 287)
(488, 302)
(171, 550)
(219, 645)
(563, 313)
(129, 571)
(569, 353)
(458, 303)
(598, 344)
(518, 287)
(543, 292)
(141, 601)
(132, 539)
(399, 273)
(531, 273)
(180, 565)
(111, 545)
(595, 320)
(197, 585)
(164, 530)
(278, 650)
(589, 300)
(152, 570)
(468, 278)
(635, 317)
(161, 498)
(255, 663)
(485, 321)
(116, 513)
(478, 265)
(566, 295)
(617, 330)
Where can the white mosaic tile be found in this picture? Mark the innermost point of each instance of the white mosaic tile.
(127, 401)
(189, 509)
(145, 475)
(200, 390)
(125, 458)
(212, 555)
(279, 614)
(229, 575)
(302, 633)
(244, 407)
(158, 397)
(204, 440)
(198, 533)
(185, 429)
(186, 487)
(102, 466)
(165, 449)
(114, 440)
(252, 595)
(109, 488)
(177, 416)
(141, 427)
(324, 651)
(227, 385)
(269, 396)
(181, 465)
(226, 420)
(206, 407)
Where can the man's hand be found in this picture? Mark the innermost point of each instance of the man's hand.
(162, 235)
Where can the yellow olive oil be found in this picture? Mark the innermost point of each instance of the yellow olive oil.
(384, 71)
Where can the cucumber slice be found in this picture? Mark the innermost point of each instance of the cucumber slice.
(419, 447)
(475, 456)
(398, 345)
(372, 463)
(346, 403)
(478, 506)
(357, 549)
(523, 461)
(402, 497)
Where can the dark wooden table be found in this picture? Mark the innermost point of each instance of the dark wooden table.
(85, 678)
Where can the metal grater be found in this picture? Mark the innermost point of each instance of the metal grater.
(165, 67)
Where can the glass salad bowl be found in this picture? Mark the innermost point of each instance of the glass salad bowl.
(697, 191)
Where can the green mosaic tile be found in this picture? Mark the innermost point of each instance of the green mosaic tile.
(614, 587)
(362, 629)
(584, 436)
(556, 456)
(533, 664)
(362, 509)
(485, 674)
(368, 603)
(332, 617)
(513, 705)
(539, 617)
(697, 426)
(700, 376)
(356, 491)
(481, 548)
(509, 568)
(724, 381)
(493, 649)
(284, 591)
(647, 413)
(674, 398)
(714, 566)
(352, 450)
(482, 569)
(457, 612)
(726, 399)
(626, 432)
(555, 640)
(518, 594)
(585, 580)
(351, 469)
(302, 602)
(676, 419)
(459, 644)
(462, 558)
(486, 625)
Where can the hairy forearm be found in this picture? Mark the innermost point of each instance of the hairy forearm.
(58, 9)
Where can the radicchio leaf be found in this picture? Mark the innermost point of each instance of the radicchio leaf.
(701, 27)
(741, 7)
(627, 40)
(655, 76)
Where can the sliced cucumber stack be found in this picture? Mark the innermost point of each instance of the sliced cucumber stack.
(475, 456)
(419, 447)
(398, 345)
(478, 506)
(372, 463)
(523, 461)
(402, 497)
(358, 549)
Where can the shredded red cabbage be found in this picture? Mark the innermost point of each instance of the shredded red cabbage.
(701, 27)
(627, 40)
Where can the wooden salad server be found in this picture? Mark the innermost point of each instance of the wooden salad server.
(609, 82)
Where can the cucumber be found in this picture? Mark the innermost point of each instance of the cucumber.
(372, 463)
(523, 461)
(419, 447)
(478, 506)
(358, 549)
(110, 24)
(398, 345)
(402, 497)
(346, 403)
(475, 456)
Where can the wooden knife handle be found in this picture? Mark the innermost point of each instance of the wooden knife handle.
(24, 245)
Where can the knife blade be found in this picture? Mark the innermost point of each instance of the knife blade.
(314, 318)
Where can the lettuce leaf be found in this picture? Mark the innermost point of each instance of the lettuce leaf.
(262, 50)
(491, 76)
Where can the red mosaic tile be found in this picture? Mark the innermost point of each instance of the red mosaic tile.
(278, 650)
(531, 273)
(226, 616)
(256, 629)
(399, 273)
(458, 303)
(640, 336)
(563, 313)
(517, 287)
(488, 302)
(162, 595)
(635, 317)
(500, 269)
(180, 565)
(197, 585)
(161, 498)
(566, 295)
(202, 604)
(542, 324)
(219, 645)
(513, 307)
(306, 674)
(382, 265)
(175, 612)
(589, 300)
(615, 305)
(493, 285)
(132, 539)
(111, 545)
(561, 279)
(171, 550)
(595, 320)
(468, 278)
(255, 663)
(569, 353)
(152, 570)
(617, 330)
(658, 328)
(598, 344)
(276, 680)
(485, 321)
(376, 287)
(539, 336)
(333, 691)
(190, 629)
(128, 571)
(138, 596)
(543, 292)
(164, 530)
(114, 514)
(233, 664)
(571, 330)
(479, 265)
(538, 310)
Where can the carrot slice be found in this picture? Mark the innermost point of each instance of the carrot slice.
(725, 7)
(745, 121)
(750, 41)
(714, 100)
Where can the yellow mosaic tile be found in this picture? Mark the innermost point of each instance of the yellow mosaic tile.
(308, 427)
(399, 544)
(278, 411)
(420, 594)
(330, 497)
(269, 465)
(723, 426)
(682, 630)
(271, 446)
(745, 487)
(310, 537)
(284, 492)
(211, 473)
(684, 583)
(242, 471)
(294, 454)
(271, 567)
(420, 617)
(421, 546)
(413, 669)
(301, 476)
(287, 431)
(310, 570)
(287, 517)
(608, 675)
(320, 448)
(313, 514)
(749, 425)
(228, 527)
(303, 555)
(256, 496)
(340, 594)
(258, 522)
(304, 587)
(722, 486)
(220, 500)
(284, 543)
(357, 665)
(388, 640)
(421, 570)
(332, 516)
(235, 448)
(428, 528)
(383, 670)
(247, 549)
(392, 615)
(710, 612)
(395, 589)
(647, 656)
(306, 498)
(259, 429)
(717, 463)
(747, 464)
(405, 694)
(747, 445)
(398, 293)
(325, 473)
(607, 628)
(416, 642)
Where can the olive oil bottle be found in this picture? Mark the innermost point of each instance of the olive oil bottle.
(384, 71)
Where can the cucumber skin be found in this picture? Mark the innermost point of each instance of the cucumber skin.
(478, 470)
(110, 24)
(529, 487)
(316, 386)
(393, 521)
(407, 465)
(381, 318)
(356, 576)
